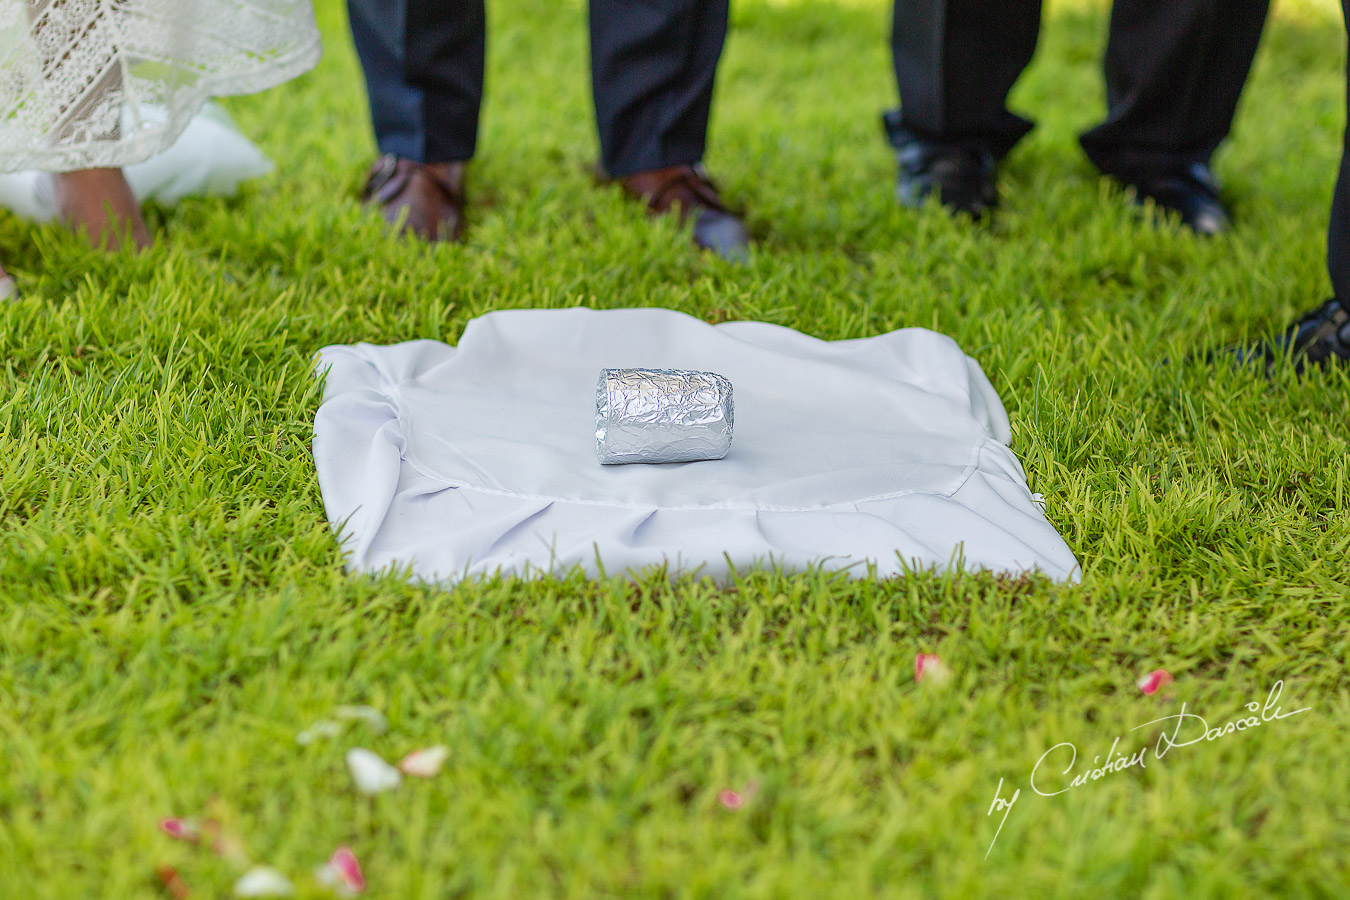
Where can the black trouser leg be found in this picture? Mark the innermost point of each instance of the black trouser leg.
(1338, 242)
(423, 61)
(652, 68)
(955, 61)
(1174, 72)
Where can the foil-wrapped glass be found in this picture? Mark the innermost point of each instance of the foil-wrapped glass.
(661, 416)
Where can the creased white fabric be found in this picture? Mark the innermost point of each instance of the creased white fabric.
(76, 76)
(465, 460)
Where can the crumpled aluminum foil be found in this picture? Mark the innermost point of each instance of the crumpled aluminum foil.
(661, 416)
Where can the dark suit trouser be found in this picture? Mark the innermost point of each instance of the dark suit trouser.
(1174, 72)
(652, 65)
(1338, 240)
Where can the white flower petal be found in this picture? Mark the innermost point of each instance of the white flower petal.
(263, 881)
(323, 728)
(368, 714)
(371, 773)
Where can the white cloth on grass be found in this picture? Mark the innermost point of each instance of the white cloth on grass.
(210, 158)
(467, 460)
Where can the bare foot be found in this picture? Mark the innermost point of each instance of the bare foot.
(9, 290)
(99, 204)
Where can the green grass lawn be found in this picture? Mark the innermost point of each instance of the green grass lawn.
(173, 606)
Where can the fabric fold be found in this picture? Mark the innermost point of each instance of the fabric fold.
(477, 459)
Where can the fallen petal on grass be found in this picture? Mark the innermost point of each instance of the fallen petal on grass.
(222, 842)
(737, 799)
(263, 881)
(173, 882)
(730, 799)
(368, 714)
(426, 762)
(1155, 681)
(323, 728)
(181, 829)
(342, 872)
(371, 773)
(930, 666)
(226, 844)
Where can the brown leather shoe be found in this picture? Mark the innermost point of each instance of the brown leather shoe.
(687, 191)
(426, 199)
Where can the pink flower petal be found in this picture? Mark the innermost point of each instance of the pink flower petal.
(930, 666)
(348, 869)
(181, 829)
(425, 763)
(342, 873)
(737, 799)
(1155, 681)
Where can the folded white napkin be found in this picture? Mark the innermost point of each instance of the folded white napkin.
(466, 460)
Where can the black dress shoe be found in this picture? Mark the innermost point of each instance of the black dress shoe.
(1193, 195)
(962, 175)
(1317, 338)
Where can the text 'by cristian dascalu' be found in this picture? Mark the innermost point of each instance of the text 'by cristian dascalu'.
(1056, 772)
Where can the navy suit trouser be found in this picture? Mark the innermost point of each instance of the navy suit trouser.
(652, 69)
